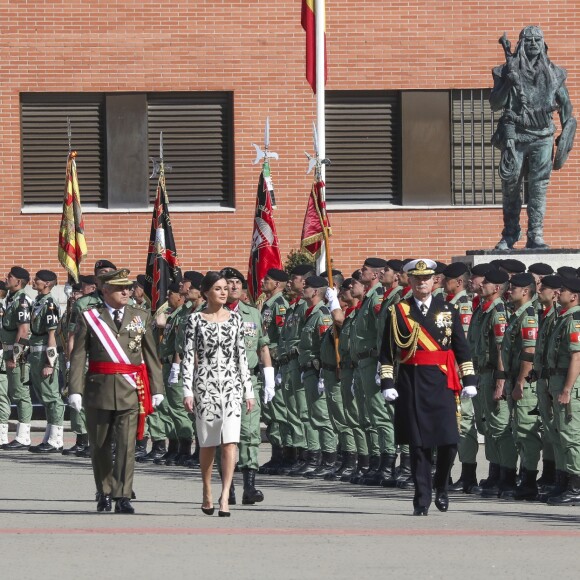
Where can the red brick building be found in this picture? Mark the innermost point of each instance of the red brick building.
(401, 76)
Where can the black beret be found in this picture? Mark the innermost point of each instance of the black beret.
(572, 284)
(316, 282)
(440, 267)
(497, 276)
(302, 269)
(76, 287)
(100, 264)
(173, 287)
(229, 272)
(395, 265)
(375, 263)
(194, 277)
(481, 269)
(346, 285)
(553, 281)
(496, 263)
(567, 272)
(20, 273)
(356, 275)
(541, 269)
(513, 266)
(2, 285)
(278, 275)
(46, 275)
(141, 280)
(334, 273)
(522, 279)
(87, 279)
(455, 270)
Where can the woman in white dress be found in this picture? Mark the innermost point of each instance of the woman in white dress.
(217, 386)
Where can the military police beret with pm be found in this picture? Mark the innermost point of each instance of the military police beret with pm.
(497, 276)
(541, 269)
(554, 281)
(229, 272)
(46, 275)
(522, 280)
(455, 270)
(100, 264)
(513, 266)
(572, 284)
(375, 263)
(20, 273)
(316, 282)
(278, 275)
(302, 269)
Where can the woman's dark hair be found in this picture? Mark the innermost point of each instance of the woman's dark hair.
(209, 280)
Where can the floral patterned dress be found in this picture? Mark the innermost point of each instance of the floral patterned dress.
(215, 370)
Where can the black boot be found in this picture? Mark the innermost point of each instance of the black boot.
(491, 483)
(572, 494)
(559, 487)
(169, 457)
(327, 466)
(404, 471)
(507, 483)
(81, 442)
(251, 494)
(372, 466)
(528, 487)
(467, 480)
(361, 465)
(184, 452)
(289, 461)
(548, 473)
(158, 450)
(383, 472)
(389, 478)
(275, 461)
(141, 447)
(310, 466)
(346, 469)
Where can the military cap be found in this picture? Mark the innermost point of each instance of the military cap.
(20, 273)
(513, 266)
(375, 262)
(440, 267)
(229, 272)
(334, 273)
(522, 279)
(316, 282)
(100, 264)
(302, 269)
(116, 278)
(347, 284)
(455, 270)
(88, 279)
(572, 284)
(356, 275)
(496, 276)
(2, 285)
(76, 287)
(278, 275)
(541, 269)
(395, 265)
(567, 272)
(552, 281)
(141, 280)
(421, 267)
(173, 287)
(496, 263)
(194, 277)
(46, 275)
(481, 269)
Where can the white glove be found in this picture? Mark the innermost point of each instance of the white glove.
(302, 377)
(75, 401)
(468, 392)
(278, 379)
(156, 400)
(390, 394)
(352, 388)
(321, 386)
(269, 384)
(174, 373)
(332, 299)
(67, 365)
(378, 375)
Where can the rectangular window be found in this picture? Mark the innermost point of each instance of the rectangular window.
(363, 145)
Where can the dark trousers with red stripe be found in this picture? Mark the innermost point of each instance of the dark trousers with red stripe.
(421, 462)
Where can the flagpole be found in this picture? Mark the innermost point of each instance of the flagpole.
(320, 20)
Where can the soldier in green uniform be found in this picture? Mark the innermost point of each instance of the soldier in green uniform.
(552, 455)
(43, 359)
(364, 341)
(564, 385)
(317, 319)
(273, 408)
(139, 299)
(257, 351)
(4, 398)
(517, 357)
(14, 335)
(439, 280)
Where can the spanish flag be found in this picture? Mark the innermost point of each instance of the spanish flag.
(309, 24)
(72, 247)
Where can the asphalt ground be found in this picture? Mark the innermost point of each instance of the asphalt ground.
(304, 529)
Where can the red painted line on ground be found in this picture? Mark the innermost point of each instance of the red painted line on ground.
(285, 532)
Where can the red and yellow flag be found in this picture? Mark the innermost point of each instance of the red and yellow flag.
(72, 247)
(308, 20)
(315, 221)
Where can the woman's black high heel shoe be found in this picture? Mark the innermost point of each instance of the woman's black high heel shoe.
(223, 514)
(208, 511)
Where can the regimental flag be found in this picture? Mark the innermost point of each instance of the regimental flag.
(308, 20)
(265, 252)
(315, 221)
(72, 246)
(163, 266)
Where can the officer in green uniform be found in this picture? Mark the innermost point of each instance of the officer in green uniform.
(517, 357)
(43, 359)
(14, 335)
(257, 351)
(273, 409)
(364, 341)
(564, 385)
(317, 319)
(4, 398)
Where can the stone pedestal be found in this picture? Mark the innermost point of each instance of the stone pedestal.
(554, 257)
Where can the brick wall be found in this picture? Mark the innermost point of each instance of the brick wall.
(256, 49)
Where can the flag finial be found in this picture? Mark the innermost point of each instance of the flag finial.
(314, 161)
(266, 154)
(159, 166)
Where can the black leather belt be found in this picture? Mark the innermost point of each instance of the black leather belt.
(328, 367)
(368, 354)
(311, 364)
